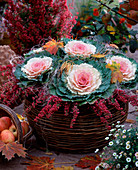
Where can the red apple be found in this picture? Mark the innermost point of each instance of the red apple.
(23, 131)
(13, 129)
(3, 125)
(7, 136)
(7, 120)
(25, 126)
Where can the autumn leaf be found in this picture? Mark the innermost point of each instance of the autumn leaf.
(66, 66)
(130, 121)
(98, 55)
(114, 46)
(110, 29)
(64, 168)
(12, 148)
(116, 76)
(52, 46)
(40, 163)
(89, 162)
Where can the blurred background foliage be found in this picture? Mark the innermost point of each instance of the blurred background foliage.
(107, 21)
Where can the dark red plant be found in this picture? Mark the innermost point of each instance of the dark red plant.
(29, 22)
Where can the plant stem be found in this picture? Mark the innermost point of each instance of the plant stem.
(116, 11)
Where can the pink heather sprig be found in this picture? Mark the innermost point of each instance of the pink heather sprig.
(29, 22)
(102, 111)
(75, 112)
(53, 104)
(67, 108)
(10, 93)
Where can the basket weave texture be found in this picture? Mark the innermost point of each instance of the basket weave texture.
(87, 134)
(7, 111)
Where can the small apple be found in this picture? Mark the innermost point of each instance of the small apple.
(7, 136)
(134, 15)
(25, 126)
(13, 129)
(7, 120)
(106, 18)
(3, 125)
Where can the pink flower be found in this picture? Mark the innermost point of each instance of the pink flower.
(36, 66)
(126, 67)
(79, 48)
(83, 79)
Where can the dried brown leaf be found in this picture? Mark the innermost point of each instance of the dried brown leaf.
(40, 163)
(130, 121)
(64, 168)
(10, 149)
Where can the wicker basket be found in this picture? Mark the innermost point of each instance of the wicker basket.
(7, 111)
(87, 134)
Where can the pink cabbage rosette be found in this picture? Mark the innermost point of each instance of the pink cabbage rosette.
(127, 68)
(83, 79)
(79, 48)
(36, 66)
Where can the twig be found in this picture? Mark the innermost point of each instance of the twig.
(116, 11)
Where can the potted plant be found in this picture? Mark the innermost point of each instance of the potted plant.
(74, 91)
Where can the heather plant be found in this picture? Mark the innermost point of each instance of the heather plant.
(28, 22)
(122, 150)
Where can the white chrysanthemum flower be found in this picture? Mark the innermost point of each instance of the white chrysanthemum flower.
(124, 131)
(130, 125)
(114, 154)
(111, 143)
(119, 130)
(118, 126)
(121, 152)
(126, 166)
(117, 141)
(120, 156)
(96, 150)
(97, 168)
(118, 166)
(128, 142)
(112, 130)
(129, 130)
(136, 163)
(128, 159)
(118, 122)
(128, 147)
(107, 138)
(117, 134)
(110, 134)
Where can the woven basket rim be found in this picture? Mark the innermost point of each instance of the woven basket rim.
(7, 111)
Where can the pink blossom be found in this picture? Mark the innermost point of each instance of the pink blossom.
(79, 48)
(35, 66)
(83, 79)
(126, 67)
